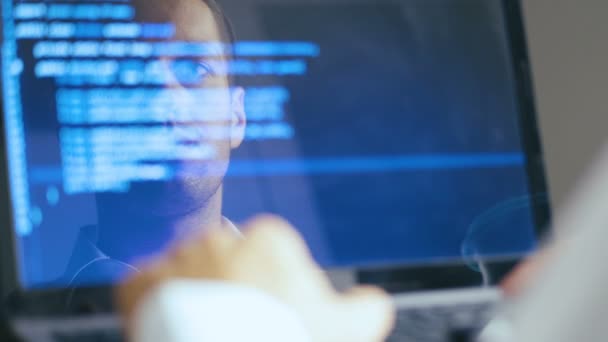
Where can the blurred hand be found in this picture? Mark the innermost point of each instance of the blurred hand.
(527, 272)
(273, 258)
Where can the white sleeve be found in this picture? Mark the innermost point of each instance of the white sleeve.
(568, 298)
(192, 311)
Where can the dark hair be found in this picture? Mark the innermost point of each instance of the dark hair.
(155, 11)
(226, 31)
(224, 24)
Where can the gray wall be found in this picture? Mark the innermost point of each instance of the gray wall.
(569, 49)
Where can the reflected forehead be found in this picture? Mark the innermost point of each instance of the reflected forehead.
(194, 21)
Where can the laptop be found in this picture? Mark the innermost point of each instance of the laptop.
(398, 136)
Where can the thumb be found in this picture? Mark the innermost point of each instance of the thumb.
(365, 314)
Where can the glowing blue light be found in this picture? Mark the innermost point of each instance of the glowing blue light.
(122, 30)
(276, 49)
(52, 196)
(29, 11)
(88, 30)
(157, 31)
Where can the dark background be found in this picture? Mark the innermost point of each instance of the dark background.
(395, 78)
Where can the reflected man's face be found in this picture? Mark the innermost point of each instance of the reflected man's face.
(205, 116)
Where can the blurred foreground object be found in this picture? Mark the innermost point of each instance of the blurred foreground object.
(272, 260)
(565, 289)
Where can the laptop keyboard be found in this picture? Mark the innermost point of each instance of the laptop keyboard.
(454, 323)
(435, 323)
(84, 329)
(106, 335)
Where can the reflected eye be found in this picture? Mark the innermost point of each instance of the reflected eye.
(188, 72)
(203, 70)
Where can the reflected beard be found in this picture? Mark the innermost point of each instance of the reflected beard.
(173, 198)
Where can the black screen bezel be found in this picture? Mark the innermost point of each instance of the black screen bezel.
(8, 261)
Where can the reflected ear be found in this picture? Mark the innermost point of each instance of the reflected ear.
(238, 119)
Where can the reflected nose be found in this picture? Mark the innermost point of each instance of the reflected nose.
(184, 132)
(176, 97)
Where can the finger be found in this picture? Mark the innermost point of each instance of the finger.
(516, 282)
(202, 244)
(276, 237)
(207, 256)
(128, 294)
(366, 314)
(219, 241)
(524, 274)
(281, 246)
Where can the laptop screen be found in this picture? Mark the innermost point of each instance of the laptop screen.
(387, 132)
